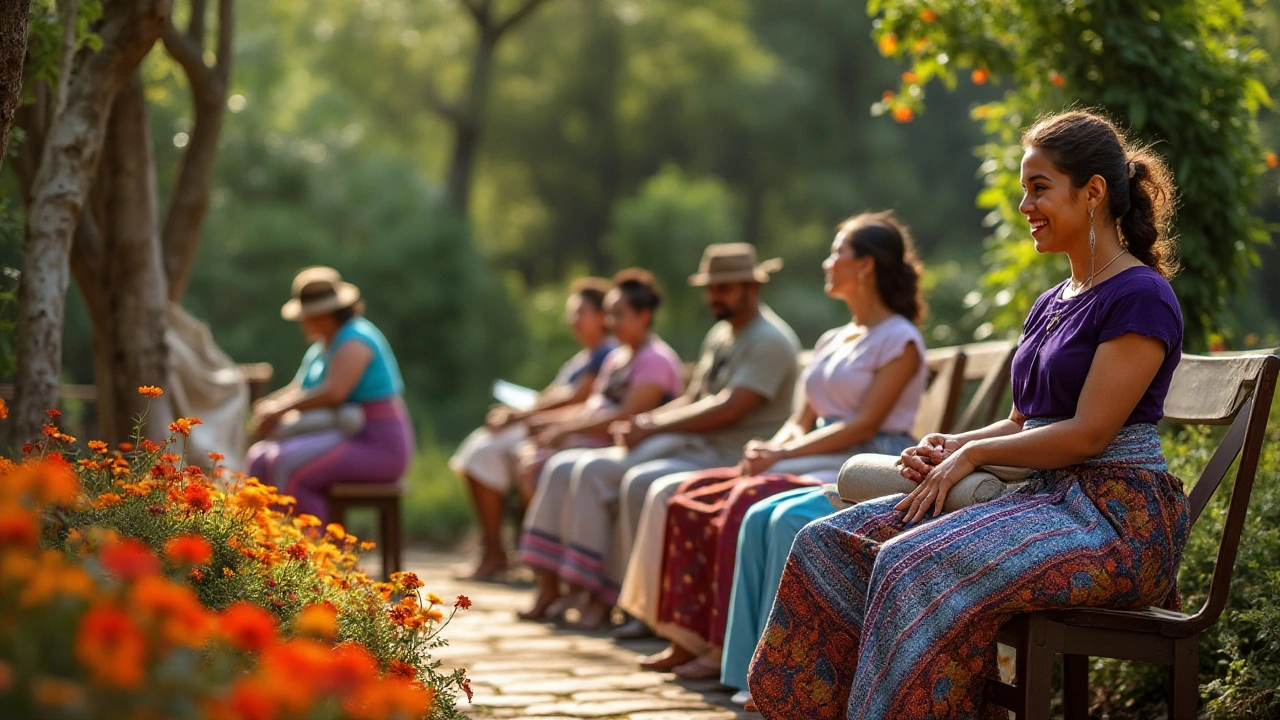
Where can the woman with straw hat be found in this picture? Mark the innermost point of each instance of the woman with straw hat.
(342, 419)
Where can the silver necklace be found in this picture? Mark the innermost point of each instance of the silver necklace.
(1088, 283)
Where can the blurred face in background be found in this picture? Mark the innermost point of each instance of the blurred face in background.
(729, 300)
(843, 272)
(317, 327)
(586, 322)
(629, 326)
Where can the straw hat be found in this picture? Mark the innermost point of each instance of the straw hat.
(732, 263)
(319, 291)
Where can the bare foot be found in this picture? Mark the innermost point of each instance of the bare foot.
(491, 565)
(542, 607)
(668, 659)
(594, 615)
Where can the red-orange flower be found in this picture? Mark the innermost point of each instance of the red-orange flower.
(188, 550)
(174, 609)
(928, 15)
(889, 44)
(1056, 78)
(197, 497)
(111, 648)
(4, 410)
(319, 619)
(903, 114)
(151, 391)
(248, 626)
(980, 76)
(463, 602)
(129, 559)
(1272, 162)
(18, 527)
(182, 426)
(217, 456)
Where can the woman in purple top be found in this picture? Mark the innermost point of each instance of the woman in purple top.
(873, 622)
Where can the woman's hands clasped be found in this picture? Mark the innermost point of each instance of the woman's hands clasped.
(758, 456)
(937, 464)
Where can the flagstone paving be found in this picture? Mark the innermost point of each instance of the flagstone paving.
(541, 672)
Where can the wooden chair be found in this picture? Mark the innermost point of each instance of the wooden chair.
(1205, 391)
(988, 364)
(937, 411)
(385, 498)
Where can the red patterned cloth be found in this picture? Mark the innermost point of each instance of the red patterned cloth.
(701, 546)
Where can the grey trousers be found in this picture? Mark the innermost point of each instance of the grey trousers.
(571, 527)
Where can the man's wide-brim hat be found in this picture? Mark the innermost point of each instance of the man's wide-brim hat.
(732, 263)
(319, 291)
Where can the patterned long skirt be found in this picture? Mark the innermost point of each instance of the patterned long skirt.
(701, 539)
(875, 619)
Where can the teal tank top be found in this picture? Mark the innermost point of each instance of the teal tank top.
(381, 379)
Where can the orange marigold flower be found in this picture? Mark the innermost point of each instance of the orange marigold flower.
(980, 76)
(1272, 162)
(296, 551)
(889, 44)
(170, 458)
(182, 426)
(434, 599)
(434, 614)
(18, 527)
(406, 581)
(53, 412)
(928, 15)
(125, 447)
(367, 546)
(903, 114)
(188, 550)
(463, 602)
(4, 410)
(196, 574)
(106, 500)
(150, 446)
(466, 688)
(150, 391)
(197, 497)
(55, 481)
(174, 609)
(248, 626)
(306, 520)
(336, 530)
(320, 619)
(98, 446)
(250, 699)
(111, 648)
(402, 670)
(129, 559)
(1056, 78)
(351, 666)
(217, 456)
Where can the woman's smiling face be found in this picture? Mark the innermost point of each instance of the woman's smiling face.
(1057, 212)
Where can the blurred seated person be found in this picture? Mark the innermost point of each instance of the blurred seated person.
(350, 364)
(642, 373)
(488, 458)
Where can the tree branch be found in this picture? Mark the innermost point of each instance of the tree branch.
(68, 13)
(450, 111)
(517, 17)
(479, 9)
(195, 29)
(189, 54)
(226, 32)
(189, 201)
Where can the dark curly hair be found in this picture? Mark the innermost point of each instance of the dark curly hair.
(1141, 196)
(639, 290)
(888, 242)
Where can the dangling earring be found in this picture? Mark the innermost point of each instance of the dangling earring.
(1093, 242)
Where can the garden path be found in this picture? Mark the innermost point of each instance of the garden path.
(541, 672)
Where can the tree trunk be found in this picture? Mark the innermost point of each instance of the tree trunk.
(129, 329)
(467, 125)
(67, 163)
(14, 20)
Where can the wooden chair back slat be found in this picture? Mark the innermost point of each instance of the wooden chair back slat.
(988, 363)
(942, 397)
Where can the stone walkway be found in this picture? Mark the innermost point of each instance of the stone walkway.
(537, 671)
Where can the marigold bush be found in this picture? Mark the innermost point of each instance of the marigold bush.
(134, 586)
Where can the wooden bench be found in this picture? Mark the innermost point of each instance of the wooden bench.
(1234, 390)
(385, 499)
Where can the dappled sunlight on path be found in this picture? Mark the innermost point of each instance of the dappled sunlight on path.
(533, 670)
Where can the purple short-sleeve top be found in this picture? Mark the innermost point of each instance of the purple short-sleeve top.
(1060, 337)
